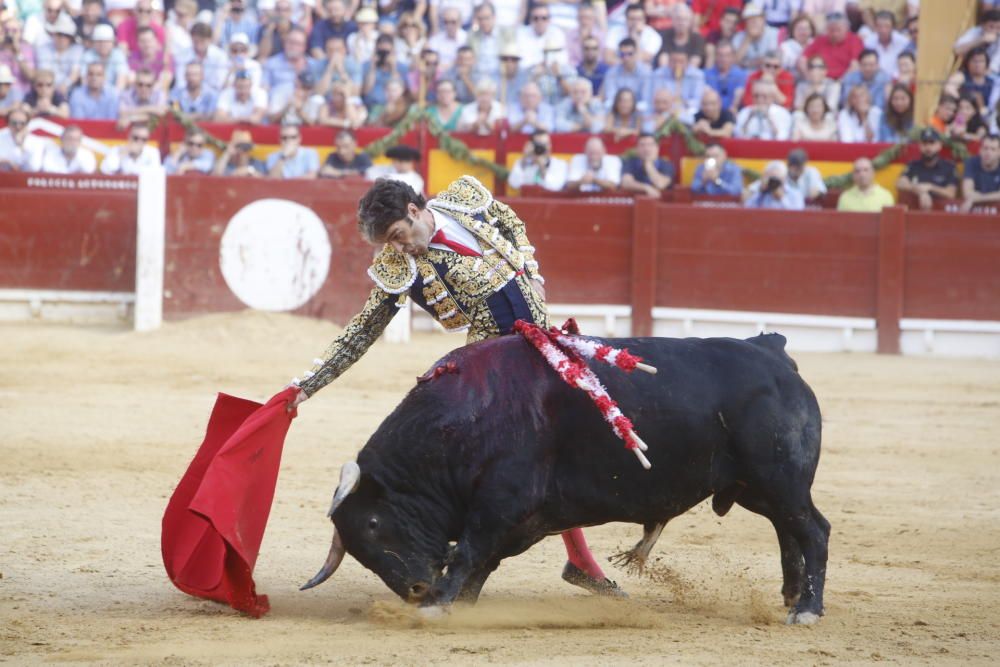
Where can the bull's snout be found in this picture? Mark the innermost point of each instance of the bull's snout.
(418, 591)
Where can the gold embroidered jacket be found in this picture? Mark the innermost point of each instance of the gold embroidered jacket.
(453, 288)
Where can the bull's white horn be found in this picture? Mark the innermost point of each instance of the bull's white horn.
(333, 560)
(350, 477)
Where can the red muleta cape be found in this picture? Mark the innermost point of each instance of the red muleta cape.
(215, 520)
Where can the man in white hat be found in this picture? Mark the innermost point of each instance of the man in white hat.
(241, 60)
(103, 51)
(512, 77)
(63, 56)
(756, 39)
(10, 96)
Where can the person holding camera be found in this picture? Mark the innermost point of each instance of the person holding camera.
(717, 175)
(538, 167)
(377, 73)
(764, 119)
(772, 190)
(236, 160)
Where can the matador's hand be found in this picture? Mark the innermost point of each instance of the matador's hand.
(294, 403)
(539, 288)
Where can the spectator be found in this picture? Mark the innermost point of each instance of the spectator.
(336, 23)
(450, 38)
(771, 72)
(141, 102)
(292, 160)
(816, 122)
(190, 156)
(801, 34)
(726, 78)
(462, 75)
(817, 83)
(283, 69)
(240, 61)
(178, 26)
(682, 35)
(772, 190)
(345, 160)
(436, 8)
(647, 40)
(423, 79)
(944, 113)
(276, 28)
(588, 27)
(404, 168)
(728, 28)
(103, 51)
(778, 13)
(482, 115)
(896, 9)
(537, 166)
(361, 42)
(68, 157)
(865, 196)
(985, 35)
(594, 170)
(712, 120)
(897, 121)
(412, 39)
(906, 71)
(868, 75)
(591, 66)
(967, 125)
(977, 81)
(241, 102)
(9, 96)
(237, 159)
(141, 17)
(135, 155)
(152, 58)
(91, 16)
(235, 18)
(803, 177)
(378, 72)
(213, 60)
(716, 175)
(981, 182)
(628, 74)
(38, 26)
(19, 149)
(886, 42)
(646, 172)
(624, 119)
(685, 81)
(62, 58)
(44, 99)
(16, 53)
(299, 105)
(666, 107)
(764, 119)
(553, 74)
(821, 10)
(756, 39)
(194, 98)
(931, 177)
(343, 111)
(710, 14)
(486, 41)
(95, 100)
(531, 114)
(859, 120)
(581, 111)
(659, 13)
(838, 47)
(531, 39)
(446, 110)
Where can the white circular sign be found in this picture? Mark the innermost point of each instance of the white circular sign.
(274, 254)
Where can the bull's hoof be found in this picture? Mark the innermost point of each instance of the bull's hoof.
(802, 618)
(433, 612)
(574, 575)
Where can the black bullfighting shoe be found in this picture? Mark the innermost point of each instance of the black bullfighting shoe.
(574, 575)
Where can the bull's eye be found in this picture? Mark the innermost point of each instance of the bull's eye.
(372, 523)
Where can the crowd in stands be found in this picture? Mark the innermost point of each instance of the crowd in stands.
(802, 70)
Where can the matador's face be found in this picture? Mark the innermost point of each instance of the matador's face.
(411, 235)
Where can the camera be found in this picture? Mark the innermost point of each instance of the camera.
(539, 148)
(771, 185)
(245, 147)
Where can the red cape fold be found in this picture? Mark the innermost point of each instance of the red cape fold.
(215, 520)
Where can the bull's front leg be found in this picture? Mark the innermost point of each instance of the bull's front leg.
(472, 560)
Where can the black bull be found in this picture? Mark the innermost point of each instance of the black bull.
(478, 464)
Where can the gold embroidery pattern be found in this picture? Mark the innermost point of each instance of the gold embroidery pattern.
(464, 195)
(392, 271)
(438, 297)
(512, 227)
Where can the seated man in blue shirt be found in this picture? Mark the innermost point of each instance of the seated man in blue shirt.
(647, 173)
(95, 100)
(716, 175)
(292, 160)
(981, 182)
(191, 156)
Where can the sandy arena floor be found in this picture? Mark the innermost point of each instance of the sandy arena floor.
(97, 426)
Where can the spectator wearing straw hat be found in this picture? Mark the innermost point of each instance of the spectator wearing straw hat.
(102, 50)
(512, 77)
(63, 56)
(10, 97)
(237, 159)
(240, 61)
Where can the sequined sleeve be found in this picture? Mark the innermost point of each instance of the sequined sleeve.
(512, 227)
(359, 334)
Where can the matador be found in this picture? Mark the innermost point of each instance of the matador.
(465, 258)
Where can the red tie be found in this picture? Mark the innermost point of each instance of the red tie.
(439, 237)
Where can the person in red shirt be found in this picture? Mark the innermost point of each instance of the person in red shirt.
(707, 13)
(770, 70)
(838, 47)
(143, 16)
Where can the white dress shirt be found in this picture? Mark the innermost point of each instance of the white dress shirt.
(555, 175)
(610, 170)
(454, 231)
(119, 162)
(54, 161)
(750, 125)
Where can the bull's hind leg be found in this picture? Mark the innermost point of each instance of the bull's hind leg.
(634, 560)
(792, 562)
(812, 531)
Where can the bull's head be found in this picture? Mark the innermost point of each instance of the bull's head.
(381, 537)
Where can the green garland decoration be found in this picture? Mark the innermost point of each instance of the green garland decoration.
(459, 150)
(405, 124)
